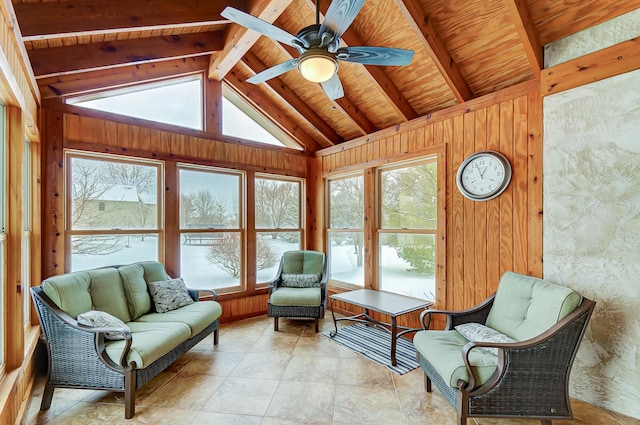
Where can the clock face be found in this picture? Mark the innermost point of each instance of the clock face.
(484, 175)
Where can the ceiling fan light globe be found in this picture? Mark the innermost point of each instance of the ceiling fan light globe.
(317, 68)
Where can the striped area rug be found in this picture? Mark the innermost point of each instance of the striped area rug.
(375, 344)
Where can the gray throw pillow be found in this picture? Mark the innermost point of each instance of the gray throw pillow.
(477, 332)
(101, 319)
(169, 294)
(301, 280)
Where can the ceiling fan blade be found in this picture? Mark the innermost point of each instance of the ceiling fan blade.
(340, 15)
(258, 25)
(333, 87)
(273, 72)
(366, 55)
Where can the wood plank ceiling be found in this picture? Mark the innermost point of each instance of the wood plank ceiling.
(463, 49)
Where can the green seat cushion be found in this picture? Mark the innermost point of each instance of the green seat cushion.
(197, 316)
(107, 293)
(150, 341)
(70, 292)
(443, 349)
(525, 306)
(135, 289)
(296, 296)
(302, 262)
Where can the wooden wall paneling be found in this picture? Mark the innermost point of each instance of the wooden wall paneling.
(72, 126)
(171, 251)
(315, 211)
(480, 214)
(493, 208)
(242, 308)
(506, 202)
(370, 234)
(534, 190)
(251, 242)
(469, 222)
(520, 192)
(53, 193)
(455, 225)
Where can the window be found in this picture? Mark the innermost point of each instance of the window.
(346, 229)
(241, 120)
(407, 228)
(26, 231)
(178, 102)
(278, 222)
(128, 229)
(102, 205)
(211, 227)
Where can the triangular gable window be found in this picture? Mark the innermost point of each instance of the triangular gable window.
(241, 120)
(177, 102)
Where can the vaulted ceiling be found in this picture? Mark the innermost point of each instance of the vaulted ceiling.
(463, 49)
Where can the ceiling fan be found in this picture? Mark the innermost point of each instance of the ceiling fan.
(319, 46)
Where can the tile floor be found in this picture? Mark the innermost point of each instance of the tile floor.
(290, 377)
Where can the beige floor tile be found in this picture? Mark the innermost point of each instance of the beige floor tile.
(366, 405)
(242, 396)
(303, 402)
(276, 342)
(210, 418)
(420, 407)
(262, 365)
(284, 421)
(219, 363)
(185, 392)
(364, 372)
(317, 346)
(312, 369)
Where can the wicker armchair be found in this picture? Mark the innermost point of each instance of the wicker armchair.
(303, 301)
(528, 378)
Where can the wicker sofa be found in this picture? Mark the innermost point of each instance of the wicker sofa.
(511, 355)
(85, 357)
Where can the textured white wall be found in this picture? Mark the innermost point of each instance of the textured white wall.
(591, 227)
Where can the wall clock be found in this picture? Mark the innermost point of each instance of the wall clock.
(483, 175)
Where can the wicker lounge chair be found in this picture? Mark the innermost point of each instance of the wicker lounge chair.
(302, 298)
(525, 378)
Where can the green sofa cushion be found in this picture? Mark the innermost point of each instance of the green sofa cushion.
(302, 262)
(154, 271)
(525, 306)
(107, 293)
(296, 296)
(150, 341)
(135, 289)
(197, 316)
(443, 349)
(70, 292)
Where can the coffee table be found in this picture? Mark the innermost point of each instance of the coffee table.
(392, 305)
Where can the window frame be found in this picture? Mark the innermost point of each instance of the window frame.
(70, 232)
(301, 216)
(241, 230)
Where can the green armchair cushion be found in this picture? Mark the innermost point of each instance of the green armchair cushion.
(444, 351)
(525, 306)
(302, 262)
(296, 297)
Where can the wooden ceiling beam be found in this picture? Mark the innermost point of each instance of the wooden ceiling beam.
(93, 56)
(527, 32)
(252, 94)
(426, 33)
(114, 78)
(44, 20)
(376, 74)
(238, 39)
(277, 86)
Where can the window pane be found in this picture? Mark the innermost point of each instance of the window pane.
(407, 264)
(209, 200)
(269, 250)
(110, 195)
(346, 203)
(346, 257)
(409, 197)
(212, 264)
(91, 251)
(177, 102)
(277, 204)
